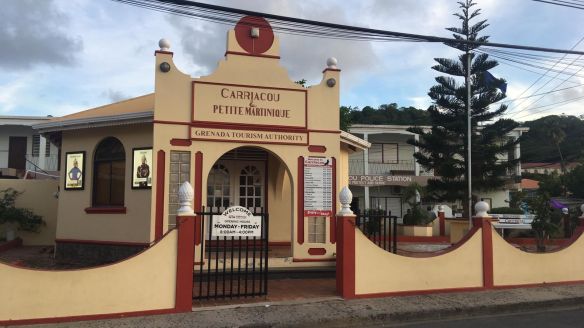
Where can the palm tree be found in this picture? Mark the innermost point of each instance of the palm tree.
(556, 134)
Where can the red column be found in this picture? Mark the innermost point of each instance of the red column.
(185, 263)
(442, 223)
(346, 256)
(485, 224)
(160, 178)
(300, 202)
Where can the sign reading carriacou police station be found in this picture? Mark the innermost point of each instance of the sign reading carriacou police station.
(236, 221)
(386, 180)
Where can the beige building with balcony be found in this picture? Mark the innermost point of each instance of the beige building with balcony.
(378, 175)
(23, 149)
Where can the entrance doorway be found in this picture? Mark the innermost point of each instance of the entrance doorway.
(235, 265)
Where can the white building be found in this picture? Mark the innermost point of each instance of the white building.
(22, 148)
(377, 175)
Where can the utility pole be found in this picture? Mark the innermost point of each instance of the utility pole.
(468, 137)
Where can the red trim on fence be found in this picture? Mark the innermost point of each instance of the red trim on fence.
(316, 149)
(312, 260)
(333, 220)
(106, 210)
(180, 142)
(346, 256)
(317, 251)
(184, 264)
(442, 223)
(85, 317)
(422, 239)
(160, 179)
(11, 244)
(300, 202)
(101, 242)
(421, 292)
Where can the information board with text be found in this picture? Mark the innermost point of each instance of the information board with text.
(318, 186)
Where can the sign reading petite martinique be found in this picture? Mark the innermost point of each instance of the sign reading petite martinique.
(236, 221)
(318, 186)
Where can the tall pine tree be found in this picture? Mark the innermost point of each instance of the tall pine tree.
(444, 147)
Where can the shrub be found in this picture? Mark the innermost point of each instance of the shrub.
(24, 218)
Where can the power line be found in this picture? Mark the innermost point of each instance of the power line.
(563, 102)
(302, 26)
(562, 3)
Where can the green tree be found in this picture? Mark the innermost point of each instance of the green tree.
(551, 184)
(345, 118)
(536, 145)
(575, 181)
(556, 134)
(546, 220)
(444, 147)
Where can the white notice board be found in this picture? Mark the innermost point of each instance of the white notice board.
(236, 221)
(318, 186)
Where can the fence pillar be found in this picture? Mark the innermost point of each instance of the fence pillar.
(185, 222)
(483, 221)
(442, 220)
(345, 246)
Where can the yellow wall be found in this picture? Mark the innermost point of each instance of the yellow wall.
(74, 223)
(39, 197)
(512, 266)
(144, 282)
(378, 271)
(173, 105)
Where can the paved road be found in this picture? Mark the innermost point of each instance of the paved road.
(557, 318)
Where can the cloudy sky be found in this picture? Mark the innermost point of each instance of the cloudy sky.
(62, 56)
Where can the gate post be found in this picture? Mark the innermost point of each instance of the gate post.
(483, 220)
(185, 221)
(442, 220)
(345, 246)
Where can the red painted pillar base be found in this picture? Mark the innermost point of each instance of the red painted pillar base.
(346, 256)
(185, 263)
(442, 223)
(487, 237)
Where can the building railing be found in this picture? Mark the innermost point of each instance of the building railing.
(48, 163)
(357, 167)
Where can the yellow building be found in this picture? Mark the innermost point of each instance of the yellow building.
(244, 135)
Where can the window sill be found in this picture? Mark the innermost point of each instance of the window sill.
(106, 210)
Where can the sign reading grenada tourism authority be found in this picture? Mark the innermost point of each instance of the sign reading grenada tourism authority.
(318, 186)
(236, 221)
(229, 103)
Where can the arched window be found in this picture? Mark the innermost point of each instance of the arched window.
(218, 187)
(109, 173)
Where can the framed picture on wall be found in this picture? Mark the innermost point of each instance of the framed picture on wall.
(141, 168)
(75, 170)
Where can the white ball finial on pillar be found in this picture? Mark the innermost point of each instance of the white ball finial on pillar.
(345, 197)
(164, 45)
(565, 210)
(332, 62)
(185, 197)
(481, 209)
(440, 208)
(582, 210)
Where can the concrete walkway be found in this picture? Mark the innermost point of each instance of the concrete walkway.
(334, 312)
